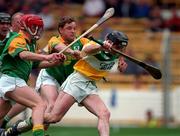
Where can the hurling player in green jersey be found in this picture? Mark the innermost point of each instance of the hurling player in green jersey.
(5, 24)
(50, 79)
(18, 58)
(17, 108)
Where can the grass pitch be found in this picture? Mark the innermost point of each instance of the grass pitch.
(91, 131)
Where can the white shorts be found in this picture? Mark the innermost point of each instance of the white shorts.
(45, 79)
(78, 86)
(8, 83)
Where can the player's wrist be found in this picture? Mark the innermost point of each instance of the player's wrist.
(70, 52)
(47, 57)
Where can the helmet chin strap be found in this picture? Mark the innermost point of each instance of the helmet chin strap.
(34, 35)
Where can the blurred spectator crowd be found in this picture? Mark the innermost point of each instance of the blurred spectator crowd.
(159, 13)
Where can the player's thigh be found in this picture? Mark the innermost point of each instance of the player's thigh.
(25, 95)
(5, 107)
(63, 102)
(61, 94)
(49, 92)
(94, 104)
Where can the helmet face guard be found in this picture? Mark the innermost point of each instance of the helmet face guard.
(119, 39)
(5, 18)
(33, 24)
(5, 23)
(35, 31)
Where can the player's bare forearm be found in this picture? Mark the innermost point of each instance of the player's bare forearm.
(91, 49)
(26, 55)
(75, 53)
(60, 47)
(46, 64)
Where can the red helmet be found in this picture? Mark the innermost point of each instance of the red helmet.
(33, 24)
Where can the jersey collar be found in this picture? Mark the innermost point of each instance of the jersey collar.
(61, 39)
(25, 36)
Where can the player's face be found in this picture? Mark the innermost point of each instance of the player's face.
(16, 23)
(68, 32)
(4, 28)
(37, 31)
(119, 47)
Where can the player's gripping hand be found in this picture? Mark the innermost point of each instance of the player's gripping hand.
(61, 60)
(77, 54)
(107, 45)
(56, 57)
(122, 65)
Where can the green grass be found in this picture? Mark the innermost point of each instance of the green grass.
(87, 131)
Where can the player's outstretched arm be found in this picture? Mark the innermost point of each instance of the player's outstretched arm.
(26, 55)
(46, 64)
(74, 53)
(90, 49)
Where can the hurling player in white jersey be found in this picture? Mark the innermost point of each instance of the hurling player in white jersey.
(80, 86)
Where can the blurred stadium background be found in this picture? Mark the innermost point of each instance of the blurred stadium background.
(139, 104)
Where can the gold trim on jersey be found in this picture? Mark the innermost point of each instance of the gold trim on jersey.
(86, 69)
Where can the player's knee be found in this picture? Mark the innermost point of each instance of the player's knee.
(38, 103)
(50, 106)
(104, 114)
